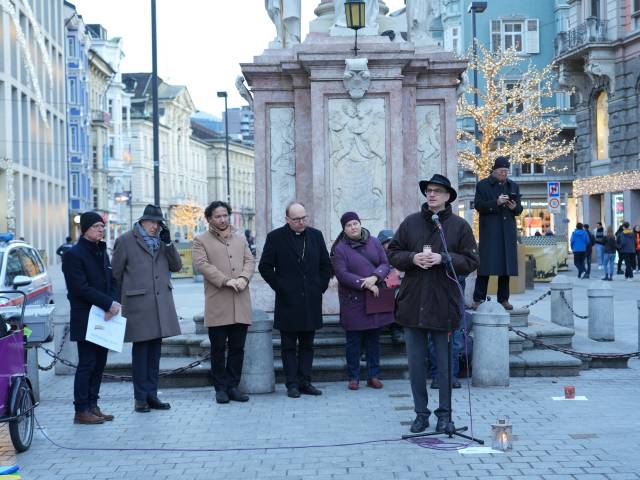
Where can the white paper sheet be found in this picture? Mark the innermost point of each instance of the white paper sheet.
(578, 398)
(108, 334)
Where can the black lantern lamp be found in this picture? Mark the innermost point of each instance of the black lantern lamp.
(355, 18)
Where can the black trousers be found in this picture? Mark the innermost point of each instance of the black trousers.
(227, 340)
(297, 357)
(145, 357)
(482, 283)
(629, 264)
(92, 359)
(579, 262)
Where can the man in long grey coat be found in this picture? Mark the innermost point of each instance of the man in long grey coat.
(142, 261)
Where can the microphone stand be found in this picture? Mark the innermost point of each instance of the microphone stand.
(450, 429)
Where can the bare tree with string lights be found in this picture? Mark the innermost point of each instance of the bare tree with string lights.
(512, 118)
(187, 214)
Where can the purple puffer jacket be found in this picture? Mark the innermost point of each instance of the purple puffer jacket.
(350, 268)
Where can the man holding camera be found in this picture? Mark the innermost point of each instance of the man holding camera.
(497, 201)
(142, 261)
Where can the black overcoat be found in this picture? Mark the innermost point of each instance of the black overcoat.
(498, 232)
(430, 298)
(298, 282)
(89, 278)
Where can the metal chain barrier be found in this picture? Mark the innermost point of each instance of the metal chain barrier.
(574, 353)
(541, 297)
(55, 359)
(583, 317)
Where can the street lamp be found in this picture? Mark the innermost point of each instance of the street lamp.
(355, 11)
(475, 7)
(156, 117)
(226, 142)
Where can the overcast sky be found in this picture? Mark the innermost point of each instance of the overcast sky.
(200, 42)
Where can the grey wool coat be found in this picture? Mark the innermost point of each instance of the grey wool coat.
(145, 287)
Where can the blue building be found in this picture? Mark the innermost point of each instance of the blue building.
(530, 27)
(78, 112)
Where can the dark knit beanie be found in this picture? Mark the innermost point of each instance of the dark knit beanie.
(501, 162)
(347, 217)
(87, 219)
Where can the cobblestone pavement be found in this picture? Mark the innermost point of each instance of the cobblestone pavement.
(594, 439)
(7, 454)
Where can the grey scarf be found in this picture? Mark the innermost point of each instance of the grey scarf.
(153, 243)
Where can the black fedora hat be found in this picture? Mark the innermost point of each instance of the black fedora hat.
(153, 213)
(442, 181)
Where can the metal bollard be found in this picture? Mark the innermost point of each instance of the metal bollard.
(561, 314)
(490, 346)
(601, 325)
(69, 350)
(258, 374)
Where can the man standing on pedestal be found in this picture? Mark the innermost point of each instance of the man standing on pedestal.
(497, 201)
(295, 263)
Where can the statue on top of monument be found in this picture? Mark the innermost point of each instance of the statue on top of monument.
(421, 15)
(372, 10)
(285, 15)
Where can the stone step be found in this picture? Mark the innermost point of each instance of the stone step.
(543, 363)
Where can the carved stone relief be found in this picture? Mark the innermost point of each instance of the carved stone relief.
(358, 162)
(429, 141)
(356, 78)
(283, 162)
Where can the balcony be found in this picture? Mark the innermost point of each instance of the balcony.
(593, 30)
(98, 116)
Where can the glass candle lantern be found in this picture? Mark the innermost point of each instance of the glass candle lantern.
(502, 434)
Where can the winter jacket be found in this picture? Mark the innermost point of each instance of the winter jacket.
(627, 241)
(579, 241)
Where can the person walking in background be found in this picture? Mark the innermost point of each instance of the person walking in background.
(626, 241)
(295, 263)
(598, 238)
(589, 251)
(361, 265)
(636, 230)
(620, 256)
(226, 263)
(393, 280)
(579, 243)
(89, 279)
(143, 258)
(497, 200)
(608, 253)
(62, 249)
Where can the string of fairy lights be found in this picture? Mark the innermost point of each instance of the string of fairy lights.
(607, 183)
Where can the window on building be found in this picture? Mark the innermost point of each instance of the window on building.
(532, 168)
(511, 104)
(71, 47)
(75, 186)
(595, 8)
(73, 91)
(636, 6)
(95, 198)
(521, 35)
(602, 126)
(94, 157)
(73, 138)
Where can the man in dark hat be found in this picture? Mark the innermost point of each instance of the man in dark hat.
(497, 201)
(87, 273)
(142, 261)
(430, 300)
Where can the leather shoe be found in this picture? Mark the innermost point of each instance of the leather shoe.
(374, 383)
(87, 418)
(442, 423)
(420, 424)
(353, 385)
(435, 384)
(157, 404)
(293, 392)
(310, 390)
(475, 305)
(506, 305)
(141, 407)
(98, 413)
(237, 396)
(222, 397)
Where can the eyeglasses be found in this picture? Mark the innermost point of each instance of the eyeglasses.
(436, 191)
(298, 219)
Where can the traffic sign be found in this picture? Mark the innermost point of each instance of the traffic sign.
(554, 205)
(553, 189)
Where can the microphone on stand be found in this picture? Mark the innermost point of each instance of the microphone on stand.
(436, 219)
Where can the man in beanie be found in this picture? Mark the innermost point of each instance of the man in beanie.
(497, 201)
(295, 263)
(87, 273)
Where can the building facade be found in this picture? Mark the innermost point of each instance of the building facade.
(33, 136)
(598, 55)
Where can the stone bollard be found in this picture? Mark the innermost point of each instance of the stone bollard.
(561, 313)
(198, 320)
(490, 346)
(601, 326)
(33, 373)
(258, 374)
(69, 350)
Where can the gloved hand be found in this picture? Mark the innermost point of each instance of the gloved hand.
(165, 236)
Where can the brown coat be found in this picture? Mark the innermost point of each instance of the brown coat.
(220, 260)
(145, 287)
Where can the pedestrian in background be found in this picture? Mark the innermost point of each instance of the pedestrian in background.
(598, 238)
(588, 254)
(143, 259)
(620, 256)
(361, 265)
(626, 241)
(295, 263)
(223, 257)
(579, 243)
(89, 279)
(636, 230)
(62, 249)
(609, 253)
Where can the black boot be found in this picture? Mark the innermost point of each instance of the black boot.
(237, 396)
(420, 424)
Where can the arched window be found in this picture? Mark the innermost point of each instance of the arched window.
(602, 126)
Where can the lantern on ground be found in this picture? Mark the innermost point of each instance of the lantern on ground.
(502, 434)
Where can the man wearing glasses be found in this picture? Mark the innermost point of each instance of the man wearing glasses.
(295, 263)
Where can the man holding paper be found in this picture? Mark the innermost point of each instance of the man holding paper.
(89, 279)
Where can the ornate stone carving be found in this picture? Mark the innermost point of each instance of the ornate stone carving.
(358, 161)
(244, 91)
(601, 69)
(285, 15)
(574, 80)
(429, 141)
(356, 77)
(283, 161)
(421, 14)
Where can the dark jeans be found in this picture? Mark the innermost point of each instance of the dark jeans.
(416, 341)
(482, 282)
(587, 263)
(297, 357)
(620, 257)
(229, 340)
(92, 359)
(457, 348)
(629, 260)
(145, 359)
(578, 261)
(372, 347)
